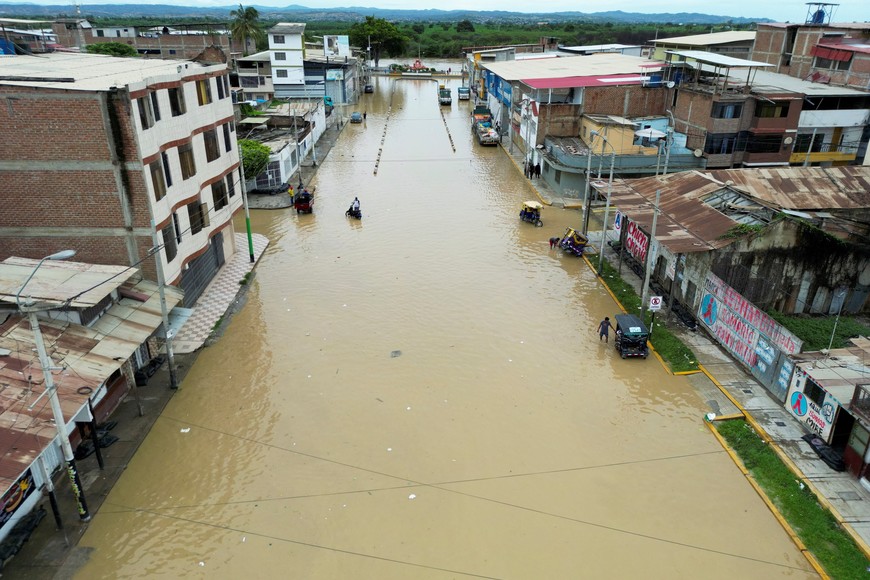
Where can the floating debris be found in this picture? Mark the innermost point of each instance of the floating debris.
(395, 353)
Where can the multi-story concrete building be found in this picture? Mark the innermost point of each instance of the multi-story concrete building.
(287, 56)
(99, 153)
(181, 41)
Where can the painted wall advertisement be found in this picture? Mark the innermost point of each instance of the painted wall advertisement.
(636, 241)
(15, 496)
(817, 416)
(747, 332)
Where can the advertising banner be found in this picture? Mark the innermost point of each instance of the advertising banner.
(738, 325)
(15, 496)
(636, 242)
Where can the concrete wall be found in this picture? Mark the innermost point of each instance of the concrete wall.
(792, 268)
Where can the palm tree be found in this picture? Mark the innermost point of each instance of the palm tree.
(246, 25)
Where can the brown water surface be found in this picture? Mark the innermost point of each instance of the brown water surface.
(421, 394)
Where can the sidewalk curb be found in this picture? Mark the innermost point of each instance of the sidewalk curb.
(520, 169)
(823, 501)
(767, 501)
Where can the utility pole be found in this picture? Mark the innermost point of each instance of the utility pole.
(592, 135)
(649, 267)
(161, 283)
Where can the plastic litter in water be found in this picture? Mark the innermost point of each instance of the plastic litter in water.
(202, 563)
(408, 409)
(186, 430)
(412, 496)
(395, 353)
(389, 448)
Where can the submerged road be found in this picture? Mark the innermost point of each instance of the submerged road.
(422, 394)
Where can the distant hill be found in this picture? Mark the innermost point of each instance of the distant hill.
(302, 13)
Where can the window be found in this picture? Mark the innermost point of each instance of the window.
(212, 151)
(157, 181)
(220, 87)
(764, 144)
(165, 159)
(219, 194)
(203, 92)
(101, 33)
(146, 113)
(805, 143)
(771, 110)
(227, 143)
(720, 143)
(727, 110)
(155, 106)
(185, 157)
(814, 392)
(226, 80)
(171, 51)
(177, 225)
(280, 56)
(832, 64)
(176, 102)
(231, 184)
(281, 73)
(278, 38)
(169, 244)
(196, 217)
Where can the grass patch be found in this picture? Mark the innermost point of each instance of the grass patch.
(217, 324)
(813, 524)
(815, 331)
(246, 279)
(679, 356)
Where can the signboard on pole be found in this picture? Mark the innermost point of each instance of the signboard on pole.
(655, 303)
(617, 223)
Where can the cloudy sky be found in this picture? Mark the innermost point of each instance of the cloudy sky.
(780, 10)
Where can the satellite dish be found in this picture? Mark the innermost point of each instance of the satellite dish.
(787, 140)
(697, 152)
(671, 84)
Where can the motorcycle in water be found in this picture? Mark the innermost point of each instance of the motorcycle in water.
(353, 212)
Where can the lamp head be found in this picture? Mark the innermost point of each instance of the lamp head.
(61, 255)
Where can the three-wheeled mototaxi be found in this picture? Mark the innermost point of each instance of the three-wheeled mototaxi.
(303, 202)
(531, 212)
(573, 242)
(631, 336)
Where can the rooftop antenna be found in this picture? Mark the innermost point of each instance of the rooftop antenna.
(820, 13)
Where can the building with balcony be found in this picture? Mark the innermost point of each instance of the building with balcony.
(103, 153)
(817, 50)
(253, 78)
(184, 41)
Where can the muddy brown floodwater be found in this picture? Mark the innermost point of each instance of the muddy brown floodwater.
(422, 394)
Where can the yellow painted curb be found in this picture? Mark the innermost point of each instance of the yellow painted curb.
(729, 417)
(823, 501)
(776, 513)
(686, 373)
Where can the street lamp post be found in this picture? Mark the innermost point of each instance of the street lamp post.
(606, 206)
(51, 389)
(592, 135)
(841, 294)
(668, 138)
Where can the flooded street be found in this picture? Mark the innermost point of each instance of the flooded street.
(422, 394)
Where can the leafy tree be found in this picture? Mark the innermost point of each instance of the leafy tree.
(112, 49)
(464, 26)
(418, 28)
(381, 35)
(246, 25)
(255, 157)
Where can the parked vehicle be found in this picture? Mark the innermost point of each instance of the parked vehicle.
(463, 93)
(369, 89)
(444, 97)
(531, 212)
(356, 117)
(482, 127)
(631, 336)
(573, 242)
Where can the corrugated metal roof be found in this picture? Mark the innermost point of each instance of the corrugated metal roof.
(59, 281)
(710, 39)
(600, 64)
(685, 224)
(89, 356)
(803, 188)
(718, 59)
(585, 81)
